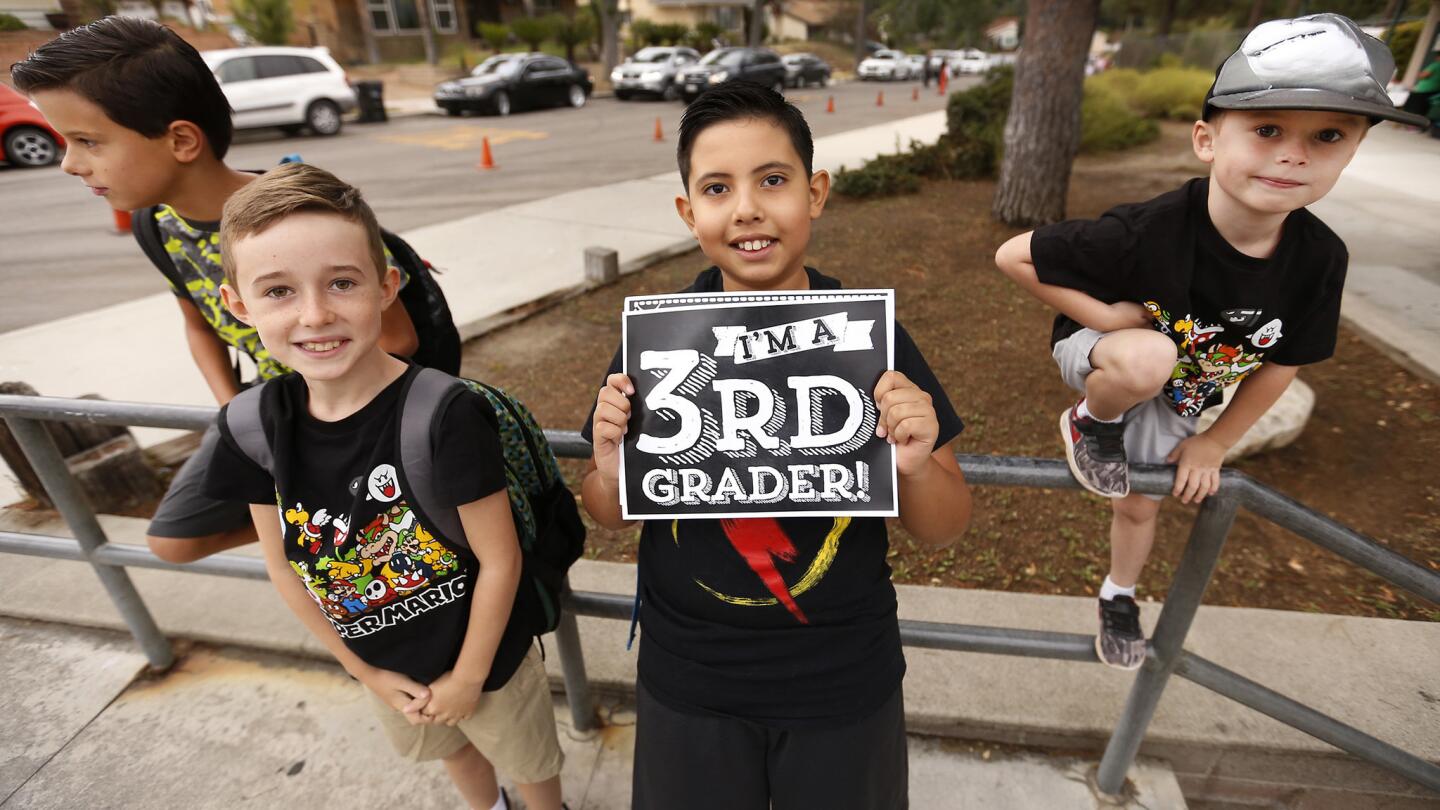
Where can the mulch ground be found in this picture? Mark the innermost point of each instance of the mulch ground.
(1366, 458)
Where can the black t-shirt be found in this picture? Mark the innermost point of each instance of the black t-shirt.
(396, 592)
(1227, 312)
(716, 641)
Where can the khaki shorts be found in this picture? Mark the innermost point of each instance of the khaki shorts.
(514, 727)
(1152, 428)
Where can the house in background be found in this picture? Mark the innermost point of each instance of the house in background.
(389, 30)
(802, 19)
(728, 14)
(38, 14)
(1004, 33)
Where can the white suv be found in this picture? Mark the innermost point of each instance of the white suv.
(288, 88)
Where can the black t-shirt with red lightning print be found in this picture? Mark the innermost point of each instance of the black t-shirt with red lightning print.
(789, 622)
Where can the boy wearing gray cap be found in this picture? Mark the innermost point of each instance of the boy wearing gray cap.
(1165, 303)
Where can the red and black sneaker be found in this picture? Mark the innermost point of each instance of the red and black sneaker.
(1096, 452)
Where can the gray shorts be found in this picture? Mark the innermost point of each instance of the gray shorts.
(1152, 428)
(186, 511)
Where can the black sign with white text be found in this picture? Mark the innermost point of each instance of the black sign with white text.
(757, 404)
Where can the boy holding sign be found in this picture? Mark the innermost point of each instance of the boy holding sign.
(769, 674)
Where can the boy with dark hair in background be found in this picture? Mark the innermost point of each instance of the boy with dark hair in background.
(148, 129)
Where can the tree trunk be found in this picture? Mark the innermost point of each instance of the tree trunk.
(757, 24)
(860, 37)
(1257, 13)
(109, 467)
(609, 33)
(1167, 19)
(1042, 132)
(427, 32)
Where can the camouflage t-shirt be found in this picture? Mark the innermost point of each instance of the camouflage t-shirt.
(194, 247)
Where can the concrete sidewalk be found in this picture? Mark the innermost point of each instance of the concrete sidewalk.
(229, 728)
(490, 263)
(1386, 207)
(1376, 674)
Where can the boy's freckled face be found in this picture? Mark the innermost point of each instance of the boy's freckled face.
(309, 286)
(1276, 161)
(126, 168)
(750, 204)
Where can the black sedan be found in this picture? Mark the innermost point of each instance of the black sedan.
(804, 69)
(515, 81)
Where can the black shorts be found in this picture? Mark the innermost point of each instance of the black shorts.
(704, 762)
(186, 511)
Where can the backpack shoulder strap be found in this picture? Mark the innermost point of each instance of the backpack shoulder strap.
(147, 233)
(424, 402)
(242, 420)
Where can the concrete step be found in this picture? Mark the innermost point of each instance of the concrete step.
(1376, 674)
(228, 727)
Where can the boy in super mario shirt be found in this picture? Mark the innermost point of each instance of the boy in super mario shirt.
(1226, 281)
(421, 619)
(770, 663)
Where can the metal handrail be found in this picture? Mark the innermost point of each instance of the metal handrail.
(1166, 655)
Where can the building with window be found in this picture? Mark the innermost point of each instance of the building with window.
(390, 30)
(728, 14)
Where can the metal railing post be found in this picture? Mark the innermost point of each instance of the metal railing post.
(572, 669)
(1197, 566)
(50, 466)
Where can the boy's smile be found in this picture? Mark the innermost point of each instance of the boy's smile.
(308, 285)
(114, 162)
(750, 204)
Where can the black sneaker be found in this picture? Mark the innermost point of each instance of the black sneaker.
(1096, 452)
(1121, 643)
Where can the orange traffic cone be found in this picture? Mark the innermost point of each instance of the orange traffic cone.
(659, 133)
(880, 99)
(122, 222)
(830, 107)
(486, 160)
(915, 94)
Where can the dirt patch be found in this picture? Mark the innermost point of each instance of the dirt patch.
(1364, 460)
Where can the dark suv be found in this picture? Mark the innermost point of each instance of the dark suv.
(759, 65)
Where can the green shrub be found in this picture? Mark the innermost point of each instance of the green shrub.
(884, 176)
(1173, 93)
(9, 22)
(1121, 81)
(1402, 43)
(494, 34)
(571, 31)
(673, 33)
(1107, 123)
(531, 30)
(704, 33)
(268, 21)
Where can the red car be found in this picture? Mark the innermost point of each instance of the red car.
(25, 137)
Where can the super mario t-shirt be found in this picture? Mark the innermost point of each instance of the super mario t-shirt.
(1226, 312)
(395, 591)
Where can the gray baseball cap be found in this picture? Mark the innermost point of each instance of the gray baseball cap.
(1319, 62)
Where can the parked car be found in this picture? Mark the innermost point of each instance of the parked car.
(759, 65)
(26, 138)
(970, 61)
(516, 81)
(290, 88)
(651, 72)
(804, 69)
(915, 65)
(884, 66)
